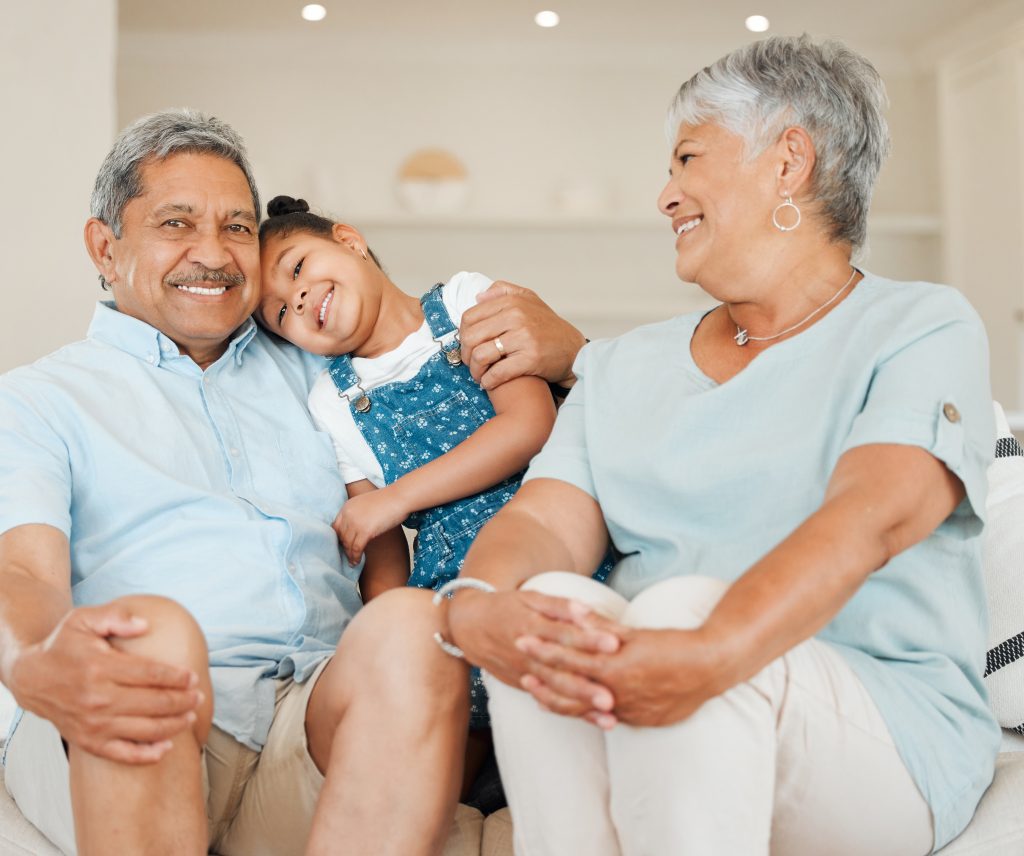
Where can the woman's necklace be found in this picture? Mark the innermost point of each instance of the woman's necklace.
(742, 338)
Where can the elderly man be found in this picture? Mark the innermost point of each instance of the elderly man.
(172, 590)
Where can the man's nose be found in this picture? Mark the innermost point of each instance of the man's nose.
(210, 249)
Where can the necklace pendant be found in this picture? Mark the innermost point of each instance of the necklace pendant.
(741, 336)
(454, 356)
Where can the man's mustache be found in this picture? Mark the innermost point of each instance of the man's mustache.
(205, 274)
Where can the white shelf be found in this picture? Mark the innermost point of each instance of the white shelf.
(880, 224)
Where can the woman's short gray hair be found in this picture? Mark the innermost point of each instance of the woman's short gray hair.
(156, 137)
(833, 93)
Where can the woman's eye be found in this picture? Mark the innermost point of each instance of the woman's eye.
(298, 267)
(684, 159)
(280, 315)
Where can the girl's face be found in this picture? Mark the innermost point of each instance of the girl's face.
(319, 293)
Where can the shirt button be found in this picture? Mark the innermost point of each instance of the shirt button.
(150, 359)
(291, 567)
(950, 412)
(234, 453)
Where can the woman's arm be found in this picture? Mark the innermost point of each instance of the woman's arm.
(549, 525)
(501, 447)
(881, 499)
(387, 555)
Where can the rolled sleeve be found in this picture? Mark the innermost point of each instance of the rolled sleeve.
(34, 465)
(934, 393)
(565, 455)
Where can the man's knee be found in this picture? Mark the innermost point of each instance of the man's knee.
(173, 635)
(391, 643)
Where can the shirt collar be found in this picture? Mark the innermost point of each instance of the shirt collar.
(144, 341)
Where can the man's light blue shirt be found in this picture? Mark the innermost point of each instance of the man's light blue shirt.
(211, 488)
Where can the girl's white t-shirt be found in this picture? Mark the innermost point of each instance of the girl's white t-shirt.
(333, 414)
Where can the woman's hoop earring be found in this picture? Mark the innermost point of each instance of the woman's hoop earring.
(775, 215)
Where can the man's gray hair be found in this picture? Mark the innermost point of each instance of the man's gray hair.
(833, 93)
(157, 137)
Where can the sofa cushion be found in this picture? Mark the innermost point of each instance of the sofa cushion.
(1003, 563)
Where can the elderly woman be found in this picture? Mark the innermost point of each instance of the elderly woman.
(787, 658)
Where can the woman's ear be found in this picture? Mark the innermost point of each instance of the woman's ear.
(796, 161)
(99, 243)
(350, 237)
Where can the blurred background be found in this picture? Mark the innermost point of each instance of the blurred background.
(464, 135)
(460, 134)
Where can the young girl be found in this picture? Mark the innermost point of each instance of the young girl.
(417, 440)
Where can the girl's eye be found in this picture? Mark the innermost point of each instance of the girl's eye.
(298, 267)
(280, 315)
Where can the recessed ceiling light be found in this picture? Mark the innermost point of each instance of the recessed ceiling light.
(546, 19)
(314, 12)
(757, 23)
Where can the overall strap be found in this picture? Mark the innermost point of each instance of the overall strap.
(443, 331)
(347, 382)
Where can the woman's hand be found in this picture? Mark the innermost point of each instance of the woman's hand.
(656, 677)
(485, 626)
(364, 516)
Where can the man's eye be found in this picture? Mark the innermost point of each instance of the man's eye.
(298, 267)
(684, 159)
(176, 224)
(239, 229)
(280, 315)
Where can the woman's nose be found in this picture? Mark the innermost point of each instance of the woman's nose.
(669, 198)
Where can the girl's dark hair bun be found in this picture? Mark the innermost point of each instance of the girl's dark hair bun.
(281, 205)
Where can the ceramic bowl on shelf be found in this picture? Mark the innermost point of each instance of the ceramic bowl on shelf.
(433, 181)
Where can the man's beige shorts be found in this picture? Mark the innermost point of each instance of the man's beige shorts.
(256, 803)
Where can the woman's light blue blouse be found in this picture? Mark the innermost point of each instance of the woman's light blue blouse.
(696, 477)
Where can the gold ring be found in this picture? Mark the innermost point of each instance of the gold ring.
(499, 346)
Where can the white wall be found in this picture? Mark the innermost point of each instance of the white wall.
(334, 125)
(57, 87)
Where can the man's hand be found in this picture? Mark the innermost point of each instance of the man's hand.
(367, 515)
(535, 340)
(110, 703)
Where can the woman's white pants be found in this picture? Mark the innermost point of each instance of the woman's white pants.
(797, 761)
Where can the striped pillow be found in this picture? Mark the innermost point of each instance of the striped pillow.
(1003, 563)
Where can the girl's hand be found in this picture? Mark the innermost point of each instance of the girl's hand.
(365, 516)
(657, 677)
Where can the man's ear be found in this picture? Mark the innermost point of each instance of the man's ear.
(99, 243)
(796, 161)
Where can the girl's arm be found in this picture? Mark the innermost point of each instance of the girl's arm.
(501, 447)
(387, 556)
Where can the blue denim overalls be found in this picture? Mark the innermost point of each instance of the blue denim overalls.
(410, 423)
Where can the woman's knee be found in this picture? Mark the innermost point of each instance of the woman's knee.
(587, 590)
(680, 603)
